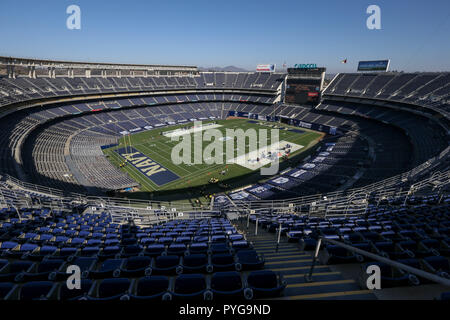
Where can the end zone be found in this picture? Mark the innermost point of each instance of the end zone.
(152, 169)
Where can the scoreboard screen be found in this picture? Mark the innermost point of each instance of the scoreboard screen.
(301, 91)
(304, 85)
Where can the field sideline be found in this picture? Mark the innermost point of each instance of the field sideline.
(158, 148)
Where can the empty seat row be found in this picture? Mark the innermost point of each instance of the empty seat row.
(258, 284)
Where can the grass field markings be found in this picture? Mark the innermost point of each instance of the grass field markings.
(134, 173)
(163, 150)
(167, 162)
(195, 176)
(198, 175)
(179, 132)
(196, 172)
(156, 155)
(210, 169)
(173, 144)
(302, 139)
(190, 169)
(205, 168)
(146, 181)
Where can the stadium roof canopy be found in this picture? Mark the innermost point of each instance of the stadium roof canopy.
(40, 63)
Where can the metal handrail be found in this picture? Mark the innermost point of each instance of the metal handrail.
(398, 265)
(380, 191)
(377, 192)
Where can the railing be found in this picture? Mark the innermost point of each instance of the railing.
(417, 272)
(36, 188)
(149, 217)
(376, 192)
(143, 204)
(393, 187)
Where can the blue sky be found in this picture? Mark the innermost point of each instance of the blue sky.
(414, 34)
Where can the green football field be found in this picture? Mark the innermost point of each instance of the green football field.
(154, 145)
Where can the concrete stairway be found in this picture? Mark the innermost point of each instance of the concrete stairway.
(293, 264)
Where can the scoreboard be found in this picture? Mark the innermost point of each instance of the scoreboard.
(304, 85)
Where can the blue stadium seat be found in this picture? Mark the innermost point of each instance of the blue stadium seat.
(3, 262)
(9, 272)
(108, 269)
(219, 248)
(109, 252)
(43, 252)
(183, 239)
(236, 237)
(154, 250)
(6, 288)
(86, 265)
(191, 286)
(131, 250)
(391, 277)
(391, 250)
(111, 289)
(218, 238)
(152, 288)
(41, 271)
(265, 284)
(294, 236)
(89, 251)
(438, 265)
(335, 254)
(196, 263)
(224, 262)
(63, 293)
(240, 245)
(308, 243)
(415, 263)
(225, 285)
(250, 260)
(178, 249)
(38, 290)
(20, 250)
(136, 266)
(145, 241)
(66, 252)
(445, 296)
(200, 247)
(167, 265)
(7, 246)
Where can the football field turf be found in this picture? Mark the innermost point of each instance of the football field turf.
(146, 156)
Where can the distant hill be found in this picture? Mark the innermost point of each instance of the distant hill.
(225, 69)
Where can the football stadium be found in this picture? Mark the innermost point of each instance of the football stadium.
(174, 182)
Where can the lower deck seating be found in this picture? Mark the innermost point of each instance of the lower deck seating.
(125, 261)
